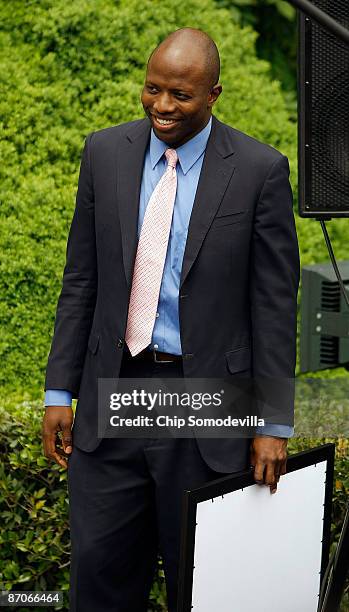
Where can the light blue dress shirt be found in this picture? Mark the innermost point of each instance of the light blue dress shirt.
(166, 335)
(166, 332)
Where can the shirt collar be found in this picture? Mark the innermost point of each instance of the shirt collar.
(188, 153)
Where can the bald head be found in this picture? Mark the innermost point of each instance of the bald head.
(195, 48)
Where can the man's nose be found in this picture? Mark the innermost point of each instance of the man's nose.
(164, 104)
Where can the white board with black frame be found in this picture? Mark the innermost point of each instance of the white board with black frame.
(244, 549)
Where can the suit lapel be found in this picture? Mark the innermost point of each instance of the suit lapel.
(216, 172)
(130, 168)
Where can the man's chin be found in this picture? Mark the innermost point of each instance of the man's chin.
(168, 137)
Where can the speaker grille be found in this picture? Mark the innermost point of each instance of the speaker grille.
(329, 347)
(330, 296)
(325, 139)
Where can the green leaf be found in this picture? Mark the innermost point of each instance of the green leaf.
(286, 10)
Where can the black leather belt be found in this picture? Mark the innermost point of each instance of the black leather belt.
(157, 356)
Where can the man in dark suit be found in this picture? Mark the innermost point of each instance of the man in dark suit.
(225, 305)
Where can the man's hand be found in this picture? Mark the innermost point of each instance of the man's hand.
(269, 455)
(57, 419)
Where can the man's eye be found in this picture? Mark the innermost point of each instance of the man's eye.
(183, 95)
(151, 89)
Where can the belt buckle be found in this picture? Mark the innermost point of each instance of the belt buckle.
(161, 360)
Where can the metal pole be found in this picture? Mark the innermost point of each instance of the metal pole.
(322, 18)
(334, 263)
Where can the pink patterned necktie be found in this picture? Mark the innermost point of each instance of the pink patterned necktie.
(150, 259)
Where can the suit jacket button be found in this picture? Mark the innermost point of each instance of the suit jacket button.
(120, 343)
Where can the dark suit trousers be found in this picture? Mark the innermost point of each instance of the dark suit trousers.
(125, 506)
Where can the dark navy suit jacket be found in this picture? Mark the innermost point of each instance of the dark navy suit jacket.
(239, 281)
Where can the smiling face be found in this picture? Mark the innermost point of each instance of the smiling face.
(177, 95)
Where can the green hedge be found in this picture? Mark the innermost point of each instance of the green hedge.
(67, 69)
(34, 540)
(34, 537)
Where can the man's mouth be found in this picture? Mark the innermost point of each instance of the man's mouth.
(163, 123)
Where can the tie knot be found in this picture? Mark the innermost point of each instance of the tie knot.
(172, 157)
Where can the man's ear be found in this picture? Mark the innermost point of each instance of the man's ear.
(214, 94)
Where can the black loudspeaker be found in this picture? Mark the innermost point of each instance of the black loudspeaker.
(323, 115)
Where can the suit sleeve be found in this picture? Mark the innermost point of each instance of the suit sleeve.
(76, 303)
(274, 280)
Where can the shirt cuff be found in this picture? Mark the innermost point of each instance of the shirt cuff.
(58, 397)
(278, 431)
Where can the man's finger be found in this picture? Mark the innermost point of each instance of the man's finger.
(283, 466)
(50, 450)
(48, 442)
(60, 451)
(270, 475)
(272, 478)
(67, 439)
(59, 459)
(56, 457)
(259, 472)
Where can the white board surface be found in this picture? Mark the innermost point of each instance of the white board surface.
(257, 551)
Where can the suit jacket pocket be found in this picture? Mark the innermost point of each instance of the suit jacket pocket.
(239, 359)
(228, 219)
(93, 342)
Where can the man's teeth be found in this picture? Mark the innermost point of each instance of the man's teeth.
(164, 121)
